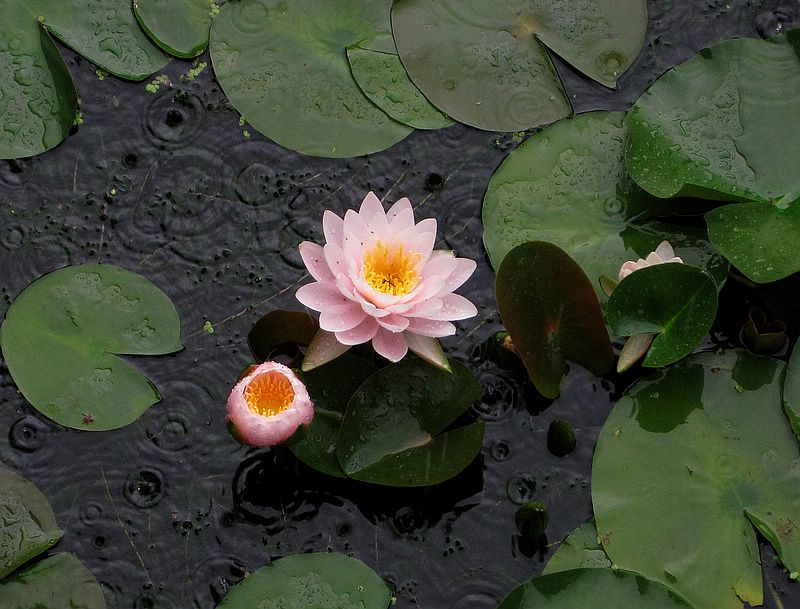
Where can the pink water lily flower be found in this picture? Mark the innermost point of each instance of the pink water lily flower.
(379, 279)
(664, 253)
(268, 405)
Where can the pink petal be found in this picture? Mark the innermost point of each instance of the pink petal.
(427, 308)
(355, 228)
(334, 256)
(318, 296)
(427, 288)
(430, 327)
(323, 348)
(391, 345)
(627, 268)
(369, 308)
(400, 215)
(442, 263)
(360, 334)
(463, 271)
(393, 323)
(346, 286)
(342, 317)
(454, 307)
(332, 227)
(314, 258)
(370, 206)
(665, 251)
(427, 348)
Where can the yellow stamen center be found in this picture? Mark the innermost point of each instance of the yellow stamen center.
(391, 271)
(269, 394)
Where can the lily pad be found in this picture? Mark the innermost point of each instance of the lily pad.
(61, 331)
(791, 390)
(180, 27)
(723, 125)
(383, 79)
(278, 328)
(103, 31)
(568, 185)
(330, 386)
(37, 97)
(677, 302)
(58, 582)
(310, 581)
(392, 430)
(608, 588)
(581, 549)
(27, 524)
(284, 66)
(551, 312)
(705, 445)
(486, 65)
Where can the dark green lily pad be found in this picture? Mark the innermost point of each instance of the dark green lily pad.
(279, 328)
(550, 309)
(27, 524)
(581, 549)
(37, 97)
(723, 125)
(791, 390)
(705, 446)
(677, 302)
(392, 430)
(58, 582)
(383, 79)
(485, 64)
(180, 27)
(568, 185)
(330, 386)
(61, 331)
(103, 31)
(310, 581)
(581, 588)
(289, 77)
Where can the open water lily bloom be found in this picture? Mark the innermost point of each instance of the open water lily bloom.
(268, 405)
(664, 253)
(379, 279)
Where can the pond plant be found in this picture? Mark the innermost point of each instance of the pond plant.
(628, 261)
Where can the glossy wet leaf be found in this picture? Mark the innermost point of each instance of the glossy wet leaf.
(289, 77)
(677, 302)
(560, 438)
(180, 27)
(581, 549)
(550, 309)
(791, 390)
(579, 588)
(279, 328)
(723, 125)
(485, 64)
(27, 524)
(531, 519)
(330, 386)
(37, 97)
(61, 332)
(383, 79)
(57, 582)
(704, 445)
(392, 430)
(568, 185)
(104, 31)
(310, 581)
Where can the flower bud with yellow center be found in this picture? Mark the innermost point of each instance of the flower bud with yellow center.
(269, 394)
(391, 271)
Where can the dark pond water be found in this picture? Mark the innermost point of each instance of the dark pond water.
(171, 511)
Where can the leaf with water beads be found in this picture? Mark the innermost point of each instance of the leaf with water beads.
(59, 335)
(180, 27)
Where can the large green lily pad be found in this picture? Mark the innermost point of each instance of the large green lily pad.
(485, 64)
(677, 302)
(310, 581)
(579, 588)
(724, 125)
(581, 549)
(791, 390)
(284, 66)
(61, 332)
(568, 185)
(705, 446)
(103, 31)
(37, 98)
(180, 27)
(392, 430)
(58, 582)
(551, 312)
(27, 524)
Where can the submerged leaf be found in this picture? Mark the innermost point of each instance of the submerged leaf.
(581, 549)
(61, 331)
(705, 445)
